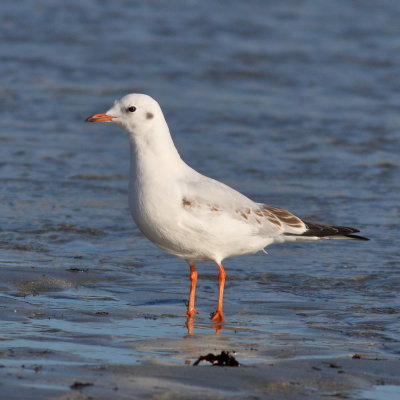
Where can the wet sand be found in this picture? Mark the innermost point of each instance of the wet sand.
(56, 361)
(60, 378)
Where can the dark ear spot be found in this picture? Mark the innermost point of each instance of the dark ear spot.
(149, 115)
(186, 202)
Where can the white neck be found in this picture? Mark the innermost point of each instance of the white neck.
(154, 155)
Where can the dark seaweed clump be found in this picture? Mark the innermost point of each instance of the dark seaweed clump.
(222, 360)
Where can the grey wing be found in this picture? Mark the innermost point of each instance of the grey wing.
(216, 199)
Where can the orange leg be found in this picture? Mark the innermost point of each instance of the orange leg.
(193, 280)
(218, 316)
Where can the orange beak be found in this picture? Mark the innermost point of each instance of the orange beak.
(99, 118)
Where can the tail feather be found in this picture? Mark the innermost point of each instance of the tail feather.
(329, 231)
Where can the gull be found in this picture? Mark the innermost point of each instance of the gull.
(191, 216)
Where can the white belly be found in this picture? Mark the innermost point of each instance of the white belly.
(168, 225)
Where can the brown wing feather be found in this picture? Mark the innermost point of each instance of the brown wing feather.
(284, 216)
(312, 229)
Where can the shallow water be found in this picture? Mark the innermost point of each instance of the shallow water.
(384, 392)
(295, 104)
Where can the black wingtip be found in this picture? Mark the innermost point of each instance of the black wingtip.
(357, 237)
(331, 231)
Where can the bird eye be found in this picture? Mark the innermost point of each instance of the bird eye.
(131, 109)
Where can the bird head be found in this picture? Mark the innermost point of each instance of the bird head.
(135, 113)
